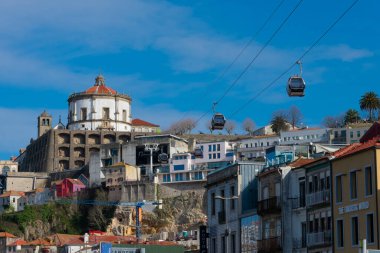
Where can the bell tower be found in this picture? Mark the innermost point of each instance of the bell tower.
(44, 123)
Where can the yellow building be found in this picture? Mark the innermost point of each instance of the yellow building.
(356, 201)
(120, 172)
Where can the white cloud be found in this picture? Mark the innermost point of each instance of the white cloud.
(341, 52)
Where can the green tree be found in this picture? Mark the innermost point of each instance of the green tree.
(370, 102)
(279, 123)
(351, 116)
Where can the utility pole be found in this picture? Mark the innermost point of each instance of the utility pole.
(151, 147)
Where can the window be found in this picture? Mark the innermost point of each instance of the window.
(255, 144)
(315, 183)
(339, 234)
(261, 144)
(223, 244)
(218, 147)
(214, 147)
(370, 227)
(83, 113)
(232, 201)
(351, 134)
(218, 155)
(106, 113)
(209, 148)
(209, 156)
(368, 181)
(233, 243)
(213, 203)
(124, 115)
(357, 133)
(214, 156)
(267, 143)
(338, 188)
(354, 231)
(213, 245)
(353, 186)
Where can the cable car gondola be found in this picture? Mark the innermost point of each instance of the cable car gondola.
(198, 153)
(296, 84)
(218, 120)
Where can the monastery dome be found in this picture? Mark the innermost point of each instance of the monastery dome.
(100, 87)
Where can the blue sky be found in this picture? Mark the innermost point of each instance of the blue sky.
(166, 54)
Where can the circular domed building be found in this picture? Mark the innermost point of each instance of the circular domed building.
(99, 108)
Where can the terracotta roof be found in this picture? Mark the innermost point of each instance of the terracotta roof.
(372, 132)
(12, 193)
(75, 181)
(40, 241)
(19, 242)
(67, 239)
(301, 162)
(140, 122)
(356, 147)
(100, 87)
(6, 234)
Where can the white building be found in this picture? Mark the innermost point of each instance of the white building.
(255, 146)
(350, 133)
(14, 200)
(8, 166)
(305, 135)
(185, 167)
(99, 107)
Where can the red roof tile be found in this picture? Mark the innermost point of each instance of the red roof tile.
(12, 193)
(356, 147)
(19, 242)
(301, 162)
(140, 122)
(6, 234)
(40, 241)
(100, 89)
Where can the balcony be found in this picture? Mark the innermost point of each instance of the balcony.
(268, 206)
(298, 202)
(269, 245)
(222, 217)
(319, 239)
(299, 243)
(318, 198)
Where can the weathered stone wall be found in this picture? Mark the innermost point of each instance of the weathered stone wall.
(26, 181)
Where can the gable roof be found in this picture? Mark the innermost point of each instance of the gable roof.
(140, 122)
(12, 193)
(301, 162)
(6, 234)
(372, 132)
(18, 242)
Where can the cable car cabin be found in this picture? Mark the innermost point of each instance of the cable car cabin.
(296, 86)
(218, 121)
(198, 153)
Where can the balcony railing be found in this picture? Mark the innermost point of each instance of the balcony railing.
(222, 217)
(299, 243)
(267, 206)
(317, 198)
(319, 238)
(269, 245)
(298, 202)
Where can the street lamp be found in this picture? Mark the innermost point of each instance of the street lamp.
(227, 231)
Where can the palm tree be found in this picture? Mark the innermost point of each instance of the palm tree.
(370, 102)
(279, 123)
(351, 116)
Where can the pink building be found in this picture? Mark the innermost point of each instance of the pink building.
(68, 187)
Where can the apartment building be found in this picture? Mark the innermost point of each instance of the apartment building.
(254, 147)
(349, 134)
(232, 204)
(318, 206)
(187, 167)
(305, 135)
(355, 187)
